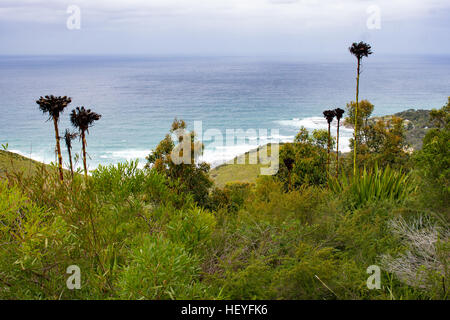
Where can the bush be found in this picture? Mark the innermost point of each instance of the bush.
(270, 203)
(191, 228)
(304, 161)
(434, 160)
(231, 197)
(160, 269)
(307, 275)
(34, 246)
(251, 282)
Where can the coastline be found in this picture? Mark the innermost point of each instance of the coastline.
(227, 170)
(223, 155)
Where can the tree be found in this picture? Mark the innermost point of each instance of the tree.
(304, 161)
(68, 137)
(329, 115)
(54, 106)
(321, 139)
(380, 140)
(180, 162)
(83, 119)
(385, 142)
(361, 119)
(359, 50)
(339, 113)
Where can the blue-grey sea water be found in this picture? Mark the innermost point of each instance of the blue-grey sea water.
(139, 97)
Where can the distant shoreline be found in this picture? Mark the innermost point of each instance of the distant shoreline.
(417, 125)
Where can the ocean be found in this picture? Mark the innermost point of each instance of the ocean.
(138, 98)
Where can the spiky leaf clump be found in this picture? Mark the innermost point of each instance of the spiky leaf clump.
(339, 113)
(68, 137)
(374, 185)
(52, 105)
(360, 49)
(83, 119)
(329, 115)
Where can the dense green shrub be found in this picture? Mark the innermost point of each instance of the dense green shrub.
(34, 243)
(434, 160)
(251, 282)
(231, 197)
(192, 228)
(307, 275)
(270, 203)
(160, 269)
(303, 162)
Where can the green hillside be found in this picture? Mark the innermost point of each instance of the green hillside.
(12, 162)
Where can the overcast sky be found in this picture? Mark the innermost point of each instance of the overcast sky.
(224, 27)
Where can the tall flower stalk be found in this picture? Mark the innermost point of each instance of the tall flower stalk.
(359, 50)
(68, 137)
(83, 119)
(339, 113)
(329, 115)
(55, 106)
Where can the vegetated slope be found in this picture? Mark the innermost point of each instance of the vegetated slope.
(417, 122)
(239, 169)
(10, 161)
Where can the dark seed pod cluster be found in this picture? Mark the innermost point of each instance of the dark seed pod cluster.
(82, 118)
(52, 105)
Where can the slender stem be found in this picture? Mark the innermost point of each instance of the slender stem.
(70, 160)
(356, 118)
(337, 150)
(329, 146)
(58, 149)
(289, 181)
(83, 139)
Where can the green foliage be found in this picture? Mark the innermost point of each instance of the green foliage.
(305, 275)
(33, 241)
(125, 179)
(192, 228)
(373, 185)
(160, 269)
(417, 125)
(320, 139)
(142, 234)
(270, 203)
(304, 161)
(231, 197)
(434, 158)
(179, 162)
(101, 214)
(365, 109)
(385, 143)
(379, 141)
